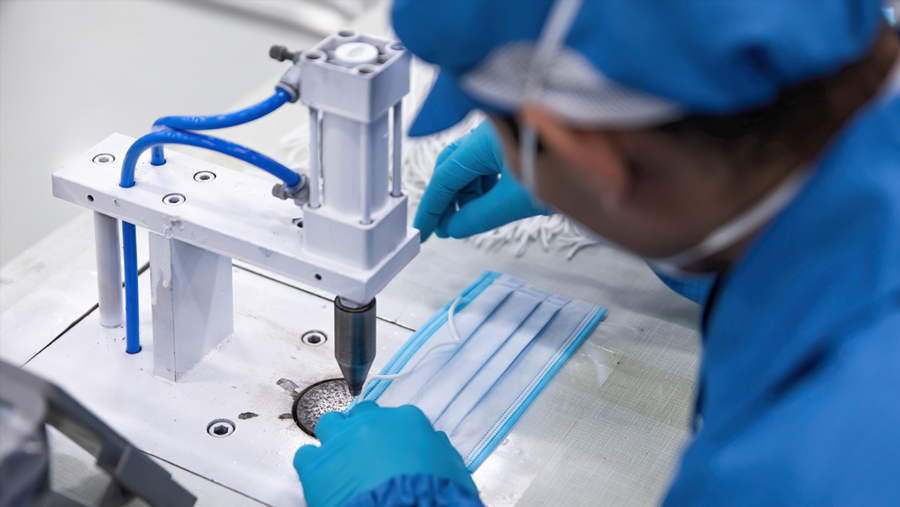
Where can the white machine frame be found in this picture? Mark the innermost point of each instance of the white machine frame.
(351, 239)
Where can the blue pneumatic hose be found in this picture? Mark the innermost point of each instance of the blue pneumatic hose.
(166, 136)
(132, 315)
(219, 121)
(155, 140)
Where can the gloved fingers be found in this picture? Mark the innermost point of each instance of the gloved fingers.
(477, 154)
(363, 407)
(440, 230)
(474, 190)
(502, 205)
(446, 152)
(304, 457)
(413, 414)
(330, 425)
(489, 182)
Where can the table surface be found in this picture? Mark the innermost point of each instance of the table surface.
(607, 430)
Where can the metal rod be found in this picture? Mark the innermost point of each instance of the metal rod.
(354, 341)
(364, 170)
(314, 201)
(109, 270)
(396, 187)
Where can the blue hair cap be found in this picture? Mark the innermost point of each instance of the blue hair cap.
(707, 56)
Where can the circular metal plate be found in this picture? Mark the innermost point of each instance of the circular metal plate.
(327, 396)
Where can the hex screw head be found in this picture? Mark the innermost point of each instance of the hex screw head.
(220, 428)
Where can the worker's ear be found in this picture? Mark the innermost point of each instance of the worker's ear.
(589, 150)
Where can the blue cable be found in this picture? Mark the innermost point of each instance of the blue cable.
(132, 315)
(289, 177)
(221, 121)
(170, 130)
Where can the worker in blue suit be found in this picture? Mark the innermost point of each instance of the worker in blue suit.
(758, 142)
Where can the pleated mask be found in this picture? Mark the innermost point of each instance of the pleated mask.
(479, 362)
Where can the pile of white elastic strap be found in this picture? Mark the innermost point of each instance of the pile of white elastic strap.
(419, 154)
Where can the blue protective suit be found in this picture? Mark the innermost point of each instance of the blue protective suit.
(799, 398)
(800, 381)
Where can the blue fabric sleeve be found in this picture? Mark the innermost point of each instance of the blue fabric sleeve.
(696, 288)
(419, 490)
(826, 435)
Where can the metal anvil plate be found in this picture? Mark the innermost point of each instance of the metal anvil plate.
(240, 377)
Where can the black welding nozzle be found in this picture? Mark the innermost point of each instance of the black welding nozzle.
(354, 341)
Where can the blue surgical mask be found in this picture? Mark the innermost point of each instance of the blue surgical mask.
(476, 365)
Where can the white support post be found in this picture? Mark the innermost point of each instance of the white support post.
(193, 308)
(109, 270)
(314, 158)
(396, 187)
(365, 165)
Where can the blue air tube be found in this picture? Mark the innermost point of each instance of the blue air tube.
(155, 140)
(132, 315)
(219, 121)
(166, 136)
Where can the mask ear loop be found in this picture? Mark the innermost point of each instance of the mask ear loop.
(455, 341)
(527, 155)
(552, 37)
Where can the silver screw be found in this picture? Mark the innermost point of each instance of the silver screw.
(104, 159)
(205, 176)
(174, 199)
(314, 338)
(220, 428)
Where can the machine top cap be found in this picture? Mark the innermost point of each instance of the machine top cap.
(356, 53)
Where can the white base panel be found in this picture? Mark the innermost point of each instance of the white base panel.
(169, 420)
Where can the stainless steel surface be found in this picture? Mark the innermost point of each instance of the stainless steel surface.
(354, 342)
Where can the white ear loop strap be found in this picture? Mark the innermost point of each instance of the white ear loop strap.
(553, 34)
(743, 225)
(455, 341)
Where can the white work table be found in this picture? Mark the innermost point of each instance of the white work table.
(607, 430)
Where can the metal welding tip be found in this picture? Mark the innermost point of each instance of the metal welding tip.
(354, 341)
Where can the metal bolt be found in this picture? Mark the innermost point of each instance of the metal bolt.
(314, 338)
(204, 176)
(173, 199)
(104, 159)
(220, 428)
(282, 53)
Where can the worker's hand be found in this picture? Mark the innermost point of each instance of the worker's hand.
(369, 447)
(472, 190)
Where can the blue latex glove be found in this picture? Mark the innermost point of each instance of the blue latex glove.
(472, 190)
(374, 445)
